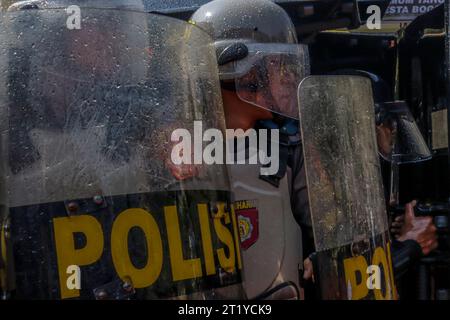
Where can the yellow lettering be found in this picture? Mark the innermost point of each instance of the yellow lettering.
(391, 274)
(181, 269)
(379, 258)
(4, 257)
(352, 266)
(226, 237)
(237, 240)
(142, 219)
(64, 229)
(206, 239)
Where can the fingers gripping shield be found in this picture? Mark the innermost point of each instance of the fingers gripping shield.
(345, 189)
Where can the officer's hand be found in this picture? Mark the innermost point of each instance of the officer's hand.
(419, 229)
(308, 271)
(183, 171)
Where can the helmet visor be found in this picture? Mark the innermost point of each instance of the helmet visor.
(399, 137)
(269, 76)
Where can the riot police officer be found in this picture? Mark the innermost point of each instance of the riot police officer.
(260, 67)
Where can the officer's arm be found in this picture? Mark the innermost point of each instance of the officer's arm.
(299, 198)
(404, 255)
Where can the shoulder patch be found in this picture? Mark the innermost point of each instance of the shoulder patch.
(247, 214)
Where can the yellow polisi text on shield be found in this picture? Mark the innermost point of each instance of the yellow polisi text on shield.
(222, 226)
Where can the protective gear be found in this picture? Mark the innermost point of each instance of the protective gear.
(260, 60)
(345, 189)
(264, 22)
(400, 140)
(91, 203)
(259, 53)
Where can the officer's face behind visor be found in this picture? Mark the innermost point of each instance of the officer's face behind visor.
(399, 139)
(268, 77)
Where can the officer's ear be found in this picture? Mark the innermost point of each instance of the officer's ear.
(227, 52)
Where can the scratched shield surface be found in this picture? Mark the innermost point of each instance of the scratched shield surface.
(343, 176)
(86, 178)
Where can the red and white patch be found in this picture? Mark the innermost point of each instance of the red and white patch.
(247, 213)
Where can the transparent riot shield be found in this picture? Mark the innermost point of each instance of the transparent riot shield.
(345, 188)
(93, 204)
